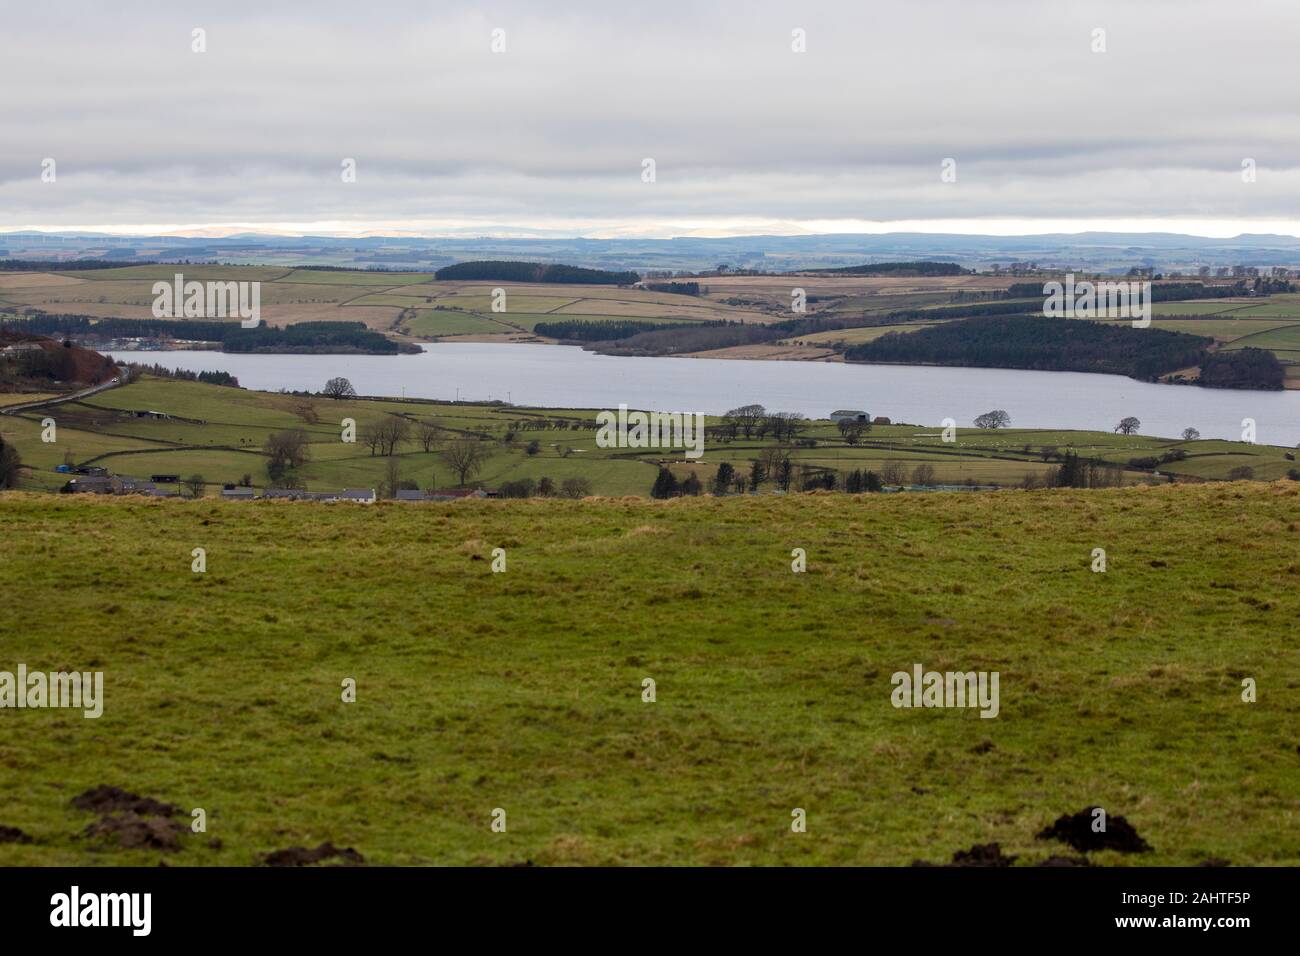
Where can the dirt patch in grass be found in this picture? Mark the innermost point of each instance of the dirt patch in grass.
(13, 835)
(134, 832)
(132, 821)
(1064, 861)
(105, 799)
(981, 854)
(1077, 831)
(301, 856)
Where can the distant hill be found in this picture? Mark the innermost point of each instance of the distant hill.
(895, 269)
(1113, 252)
(494, 270)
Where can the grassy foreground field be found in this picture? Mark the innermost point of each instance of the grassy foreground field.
(522, 690)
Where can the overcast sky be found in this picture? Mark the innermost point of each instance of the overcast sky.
(747, 135)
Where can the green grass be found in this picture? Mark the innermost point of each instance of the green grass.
(523, 690)
(435, 322)
(1284, 341)
(859, 335)
(1199, 307)
(197, 272)
(358, 277)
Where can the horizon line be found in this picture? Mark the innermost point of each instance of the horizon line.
(717, 229)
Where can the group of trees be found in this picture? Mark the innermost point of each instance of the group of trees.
(382, 437)
(666, 485)
(489, 269)
(694, 337)
(776, 468)
(1037, 342)
(309, 337)
(586, 330)
(921, 268)
(1076, 472)
(306, 337)
(286, 451)
(754, 421)
(852, 430)
(680, 288)
(547, 424)
(575, 487)
(1243, 368)
(185, 375)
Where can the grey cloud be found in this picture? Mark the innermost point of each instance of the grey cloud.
(554, 130)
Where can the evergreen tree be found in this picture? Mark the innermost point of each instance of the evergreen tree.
(722, 480)
(665, 485)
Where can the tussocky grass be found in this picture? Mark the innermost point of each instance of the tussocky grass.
(522, 690)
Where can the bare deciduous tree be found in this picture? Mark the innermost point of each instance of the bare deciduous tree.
(289, 448)
(430, 435)
(852, 430)
(746, 418)
(465, 457)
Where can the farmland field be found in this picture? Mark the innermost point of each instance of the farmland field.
(220, 433)
(523, 690)
(385, 301)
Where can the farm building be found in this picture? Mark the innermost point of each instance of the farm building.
(849, 415)
(365, 496)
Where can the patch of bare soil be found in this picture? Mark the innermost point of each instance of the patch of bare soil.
(301, 856)
(106, 799)
(1064, 861)
(13, 835)
(981, 854)
(1077, 831)
(133, 821)
(134, 832)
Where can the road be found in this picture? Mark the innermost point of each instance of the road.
(73, 397)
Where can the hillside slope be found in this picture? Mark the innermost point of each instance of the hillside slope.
(523, 690)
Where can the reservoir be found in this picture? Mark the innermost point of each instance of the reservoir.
(558, 376)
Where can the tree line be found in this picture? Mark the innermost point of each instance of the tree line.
(919, 268)
(496, 270)
(331, 337)
(586, 330)
(1243, 368)
(1041, 343)
(161, 371)
(77, 265)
